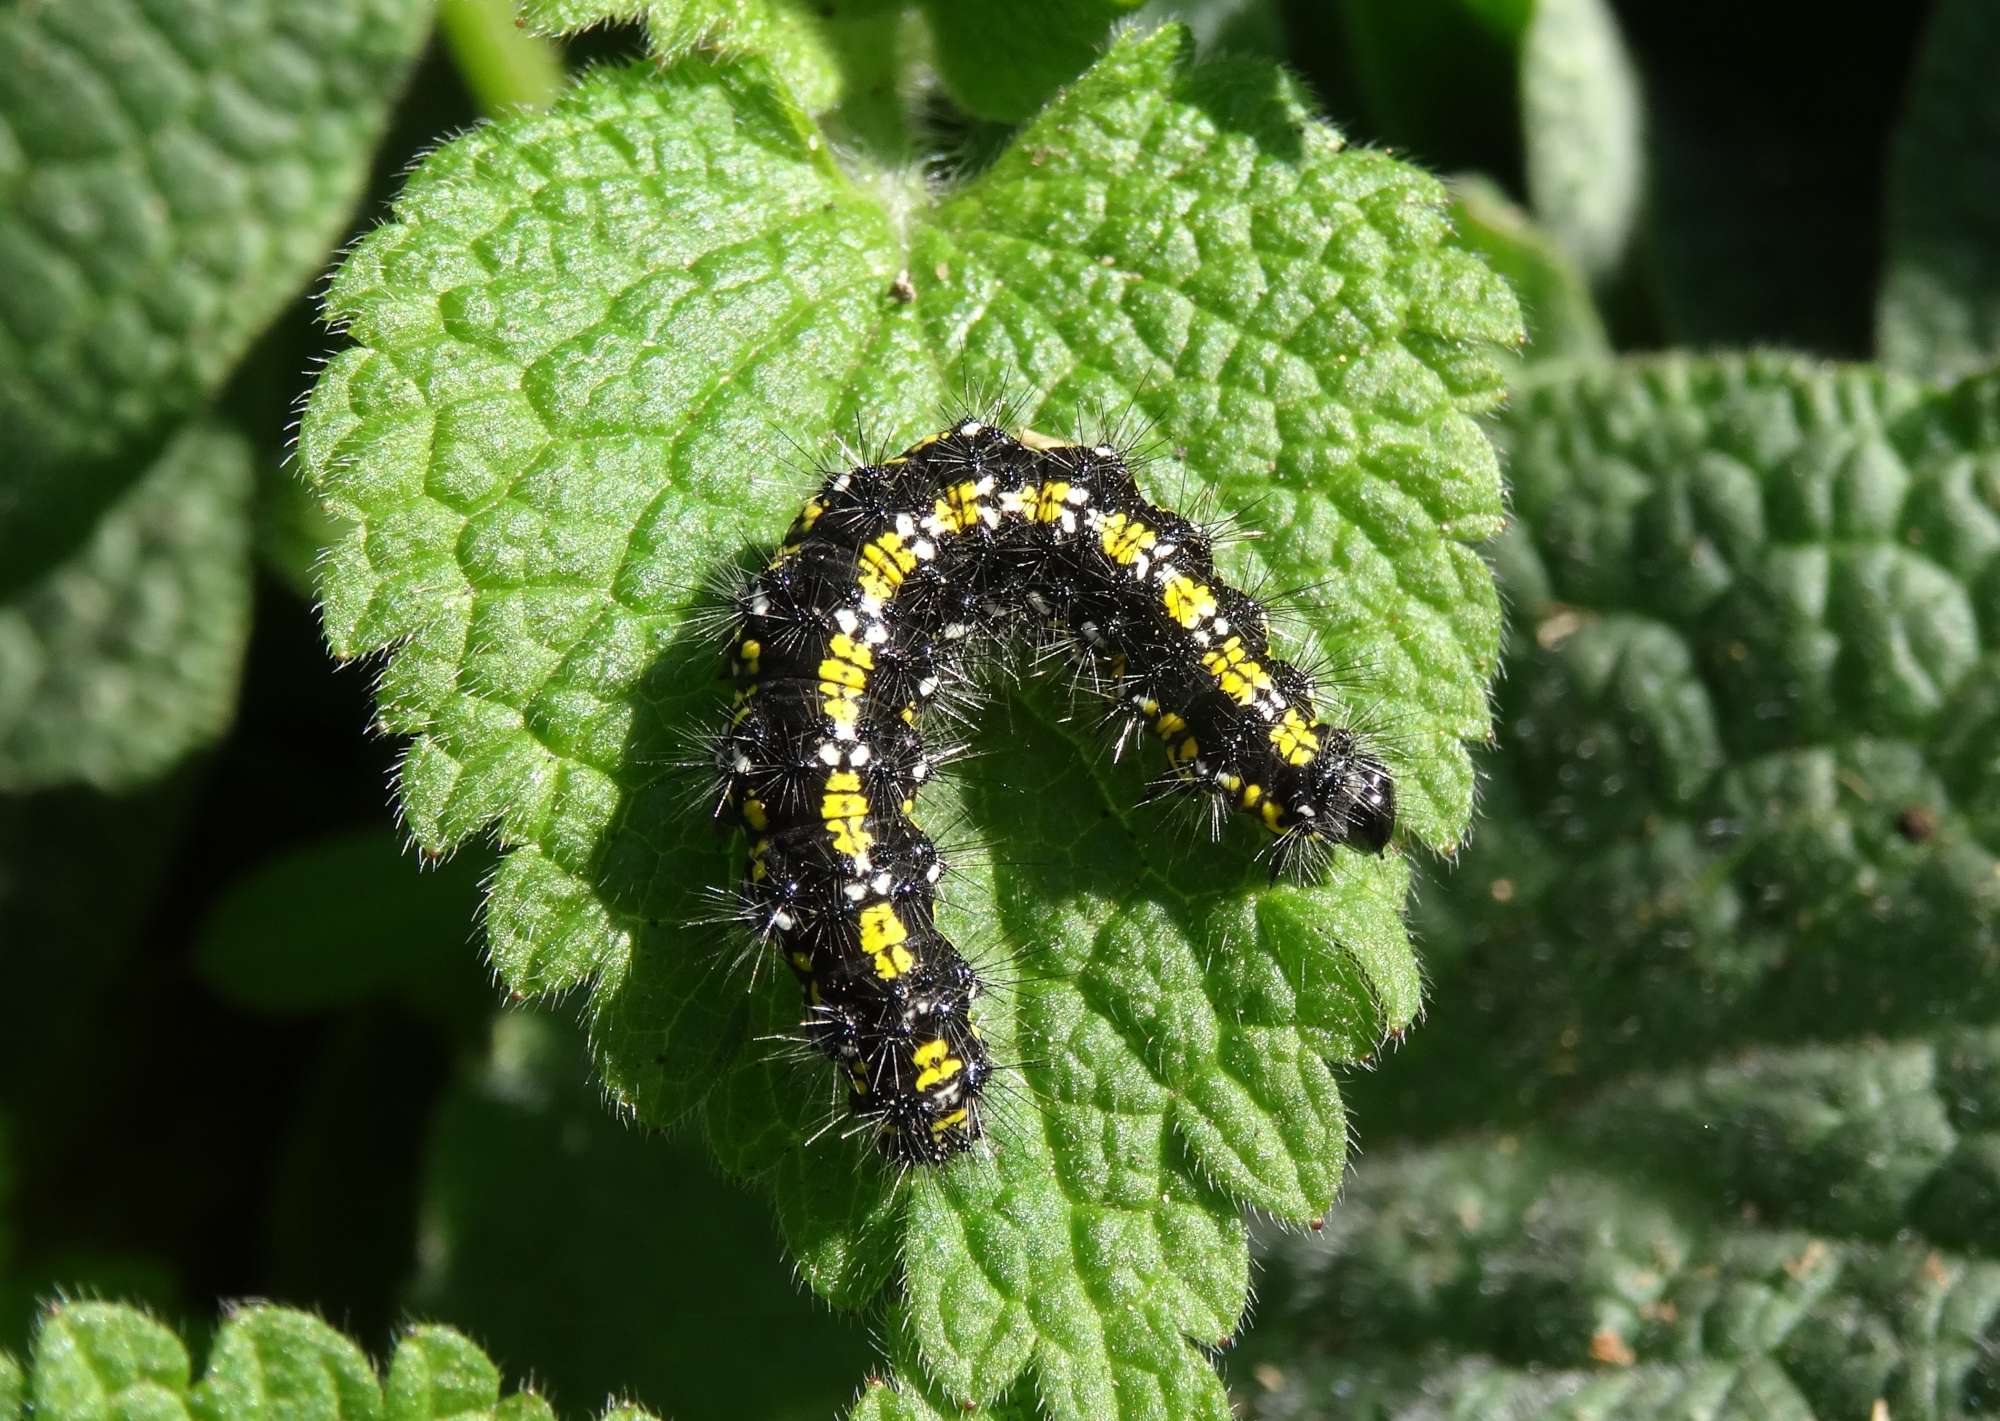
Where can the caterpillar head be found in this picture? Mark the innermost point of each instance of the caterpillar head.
(1353, 794)
(1371, 816)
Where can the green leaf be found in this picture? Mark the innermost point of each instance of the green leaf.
(169, 178)
(97, 1362)
(578, 345)
(1755, 627)
(1002, 61)
(1940, 307)
(1541, 94)
(122, 659)
(282, 940)
(1562, 320)
(13, 1388)
(831, 53)
(1234, 27)
(1581, 125)
(504, 66)
(1725, 977)
(1555, 1290)
(628, 1230)
(108, 1362)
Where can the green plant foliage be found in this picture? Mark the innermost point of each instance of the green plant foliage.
(1701, 1121)
(821, 49)
(505, 66)
(1561, 319)
(280, 940)
(1581, 128)
(1002, 61)
(1232, 27)
(1730, 950)
(1539, 95)
(1585, 1293)
(581, 347)
(1754, 626)
(103, 1361)
(1939, 314)
(124, 657)
(627, 1229)
(169, 177)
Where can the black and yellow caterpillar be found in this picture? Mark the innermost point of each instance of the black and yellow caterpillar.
(889, 578)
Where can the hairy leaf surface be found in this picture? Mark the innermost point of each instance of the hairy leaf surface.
(595, 354)
(121, 659)
(104, 1361)
(170, 175)
(1726, 969)
(1562, 321)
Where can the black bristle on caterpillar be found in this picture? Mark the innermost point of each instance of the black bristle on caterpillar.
(889, 580)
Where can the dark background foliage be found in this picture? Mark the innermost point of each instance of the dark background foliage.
(191, 1114)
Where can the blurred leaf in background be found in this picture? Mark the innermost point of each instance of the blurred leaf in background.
(118, 661)
(1720, 1001)
(284, 939)
(607, 1257)
(1699, 1119)
(175, 173)
(1939, 312)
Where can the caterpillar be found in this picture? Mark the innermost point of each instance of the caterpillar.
(890, 579)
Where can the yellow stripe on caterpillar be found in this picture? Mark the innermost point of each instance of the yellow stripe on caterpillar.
(949, 1121)
(853, 652)
(1051, 502)
(835, 672)
(1125, 538)
(882, 937)
(841, 705)
(1239, 677)
(1294, 739)
(931, 1052)
(939, 1074)
(959, 509)
(1188, 602)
